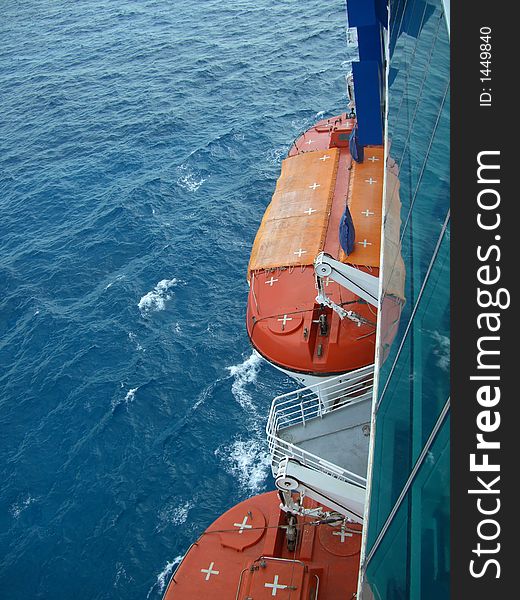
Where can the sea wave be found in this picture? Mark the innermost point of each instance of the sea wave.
(18, 507)
(189, 179)
(136, 153)
(246, 457)
(126, 400)
(133, 338)
(164, 576)
(118, 278)
(174, 514)
(156, 299)
(244, 375)
(247, 460)
(274, 156)
(130, 395)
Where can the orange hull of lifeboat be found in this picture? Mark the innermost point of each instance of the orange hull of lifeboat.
(244, 555)
(319, 179)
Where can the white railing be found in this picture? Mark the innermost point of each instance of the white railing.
(313, 402)
(280, 449)
(304, 404)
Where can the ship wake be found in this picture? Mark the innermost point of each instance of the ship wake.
(246, 457)
(164, 576)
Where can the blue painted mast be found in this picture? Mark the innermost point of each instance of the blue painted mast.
(370, 18)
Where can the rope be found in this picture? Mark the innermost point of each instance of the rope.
(236, 530)
(297, 526)
(362, 337)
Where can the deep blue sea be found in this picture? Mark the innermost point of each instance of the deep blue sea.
(140, 142)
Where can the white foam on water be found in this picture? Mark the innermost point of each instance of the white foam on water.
(179, 514)
(188, 180)
(164, 576)
(17, 508)
(133, 338)
(130, 395)
(300, 125)
(121, 574)
(274, 156)
(304, 123)
(118, 278)
(247, 461)
(205, 394)
(174, 514)
(156, 299)
(245, 374)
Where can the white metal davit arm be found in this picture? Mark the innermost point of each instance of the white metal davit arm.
(363, 284)
(348, 499)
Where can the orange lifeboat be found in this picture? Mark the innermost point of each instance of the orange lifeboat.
(286, 324)
(244, 554)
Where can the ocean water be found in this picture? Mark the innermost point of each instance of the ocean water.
(140, 142)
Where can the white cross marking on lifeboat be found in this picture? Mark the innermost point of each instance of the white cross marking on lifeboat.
(209, 571)
(309, 211)
(327, 281)
(367, 213)
(371, 181)
(271, 281)
(243, 524)
(275, 585)
(343, 534)
(310, 142)
(284, 323)
(364, 243)
(300, 252)
(325, 157)
(314, 186)
(373, 158)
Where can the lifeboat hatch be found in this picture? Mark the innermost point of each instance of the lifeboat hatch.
(285, 324)
(250, 527)
(344, 540)
(269, 577)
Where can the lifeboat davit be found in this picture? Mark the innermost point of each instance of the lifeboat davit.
(319, 183)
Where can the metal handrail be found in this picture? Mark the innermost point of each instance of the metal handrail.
(281, 449)
(316, 400)
(304, 411)
(311, 402)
